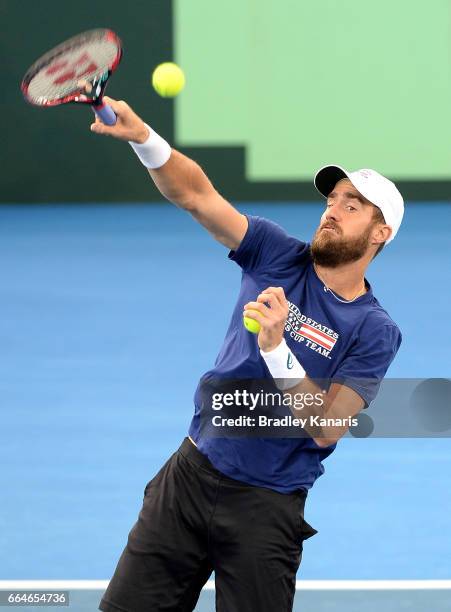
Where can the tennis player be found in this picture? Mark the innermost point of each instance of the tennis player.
(235, 505)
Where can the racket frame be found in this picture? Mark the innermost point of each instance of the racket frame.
(79, 97)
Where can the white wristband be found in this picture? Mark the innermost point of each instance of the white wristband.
(283, 366)
(154, 152)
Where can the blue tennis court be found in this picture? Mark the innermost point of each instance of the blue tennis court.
(97, 300)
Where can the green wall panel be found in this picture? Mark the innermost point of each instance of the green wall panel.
(301, 84)
(275, 89)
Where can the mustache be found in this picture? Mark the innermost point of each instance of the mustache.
(330, 225)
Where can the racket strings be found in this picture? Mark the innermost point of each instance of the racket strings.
(62, 70)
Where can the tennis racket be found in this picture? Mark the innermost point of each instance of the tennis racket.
(77, 70)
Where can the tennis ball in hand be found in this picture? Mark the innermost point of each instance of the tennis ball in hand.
(252, 325)
(168, 80)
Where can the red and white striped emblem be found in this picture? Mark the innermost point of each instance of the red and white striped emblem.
(315, 335)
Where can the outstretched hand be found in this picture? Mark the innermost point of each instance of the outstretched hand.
(128, 127)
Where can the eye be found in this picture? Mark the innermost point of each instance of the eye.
(350, 208)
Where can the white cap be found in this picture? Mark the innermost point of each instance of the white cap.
(373, 186)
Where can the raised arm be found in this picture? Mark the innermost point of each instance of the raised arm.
(181, 180)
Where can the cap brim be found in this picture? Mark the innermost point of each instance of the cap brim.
(327, 177)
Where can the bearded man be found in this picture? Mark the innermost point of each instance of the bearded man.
(235, 505)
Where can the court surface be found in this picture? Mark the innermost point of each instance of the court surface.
(97, 301)
(307, 600)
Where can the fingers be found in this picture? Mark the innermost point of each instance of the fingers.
(278, 293)
(268, 298)
(261, 308)
(270, 310)
(271, 299)
(85, 85)
(275, 297)
(119, 106)
(129, 126)
(100, 128)
(96, 122)
(257, 316)
(272, 314)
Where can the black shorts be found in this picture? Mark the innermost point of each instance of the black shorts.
(195, 520)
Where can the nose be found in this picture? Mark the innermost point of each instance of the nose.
(332, 213)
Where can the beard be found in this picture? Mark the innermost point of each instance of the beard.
(330, 249)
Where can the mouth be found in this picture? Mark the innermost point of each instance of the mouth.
(328, 228)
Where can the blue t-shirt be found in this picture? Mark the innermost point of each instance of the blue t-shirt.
(352, 343)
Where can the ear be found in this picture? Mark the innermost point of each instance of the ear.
(381, 233)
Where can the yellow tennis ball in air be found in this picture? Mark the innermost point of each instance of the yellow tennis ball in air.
(168, 80)
(252, 325)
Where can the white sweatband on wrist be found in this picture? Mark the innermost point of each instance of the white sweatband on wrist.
(283, 366)
(154, 152)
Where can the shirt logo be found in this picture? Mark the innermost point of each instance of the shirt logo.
(290, 361)
(316, 336)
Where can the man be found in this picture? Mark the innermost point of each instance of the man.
(235, 505)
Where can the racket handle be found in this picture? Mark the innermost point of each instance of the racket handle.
(105, 113)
